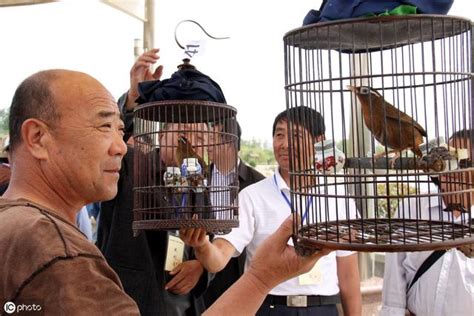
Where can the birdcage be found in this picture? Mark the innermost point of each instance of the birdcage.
(175, 182)
(392, 90)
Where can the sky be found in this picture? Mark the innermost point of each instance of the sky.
(94, 38)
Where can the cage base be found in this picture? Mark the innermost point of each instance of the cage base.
(394, 235)
(214, 226)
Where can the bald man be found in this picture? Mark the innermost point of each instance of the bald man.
(46, 262)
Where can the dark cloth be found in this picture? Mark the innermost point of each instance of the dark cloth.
(282, 310)
(248, 175)
(4, 187)
(5, 174)
(345, 9)
(127, 117)
(93, 209)
(47, 261)
(184, 84)
(235, 268)
(139, 261)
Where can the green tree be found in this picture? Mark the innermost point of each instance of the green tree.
(396, 192)
(255, 152)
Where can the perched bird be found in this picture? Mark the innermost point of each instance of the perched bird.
(390, 126)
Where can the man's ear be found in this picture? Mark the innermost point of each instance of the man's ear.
(34, 134)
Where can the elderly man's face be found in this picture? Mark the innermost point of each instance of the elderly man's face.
(88, 145)
(195, 133)
(460, 180)
(302, 146)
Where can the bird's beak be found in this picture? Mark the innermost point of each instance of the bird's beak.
(351, 88)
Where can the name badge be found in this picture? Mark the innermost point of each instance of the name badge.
(174, 253)
(313, 277)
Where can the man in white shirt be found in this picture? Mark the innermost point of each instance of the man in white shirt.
(447, 285)
(229, 175)
(263, 207)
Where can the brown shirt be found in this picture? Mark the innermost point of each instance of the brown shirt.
(46, 261)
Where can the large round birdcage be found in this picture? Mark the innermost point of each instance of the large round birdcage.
(175, 183)
(391, 90)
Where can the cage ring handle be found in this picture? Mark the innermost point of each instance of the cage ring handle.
(200, 26)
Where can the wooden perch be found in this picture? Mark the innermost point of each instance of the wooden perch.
(439, 159)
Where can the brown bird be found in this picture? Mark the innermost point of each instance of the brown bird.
(186, 150)
(396, 130)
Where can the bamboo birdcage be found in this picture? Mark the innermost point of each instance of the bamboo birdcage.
(349, 190)
(171, 194)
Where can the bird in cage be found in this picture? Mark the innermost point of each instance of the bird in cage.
(185, 150)
(390, 126)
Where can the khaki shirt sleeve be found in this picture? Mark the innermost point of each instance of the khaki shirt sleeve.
(82, 285)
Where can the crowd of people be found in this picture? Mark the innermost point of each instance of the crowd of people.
(70, 148)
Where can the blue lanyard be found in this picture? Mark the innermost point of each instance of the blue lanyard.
(308, 205)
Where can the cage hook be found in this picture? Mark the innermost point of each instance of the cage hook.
(200, 26)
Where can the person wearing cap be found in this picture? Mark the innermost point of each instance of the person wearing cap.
(226, 171)
(140, 261)
(437, 282)
(264, 206)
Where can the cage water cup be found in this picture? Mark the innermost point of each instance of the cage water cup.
(328, 158)
(190, 166)
(172, 176)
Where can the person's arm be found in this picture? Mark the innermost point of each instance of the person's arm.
(395, 285)
(274, 262)
(142, 71)
(349, 284)
(213, 256)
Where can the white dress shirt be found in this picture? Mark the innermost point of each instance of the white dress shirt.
(220, 191)
(84, 223)
(446, 288)
(262, 210)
